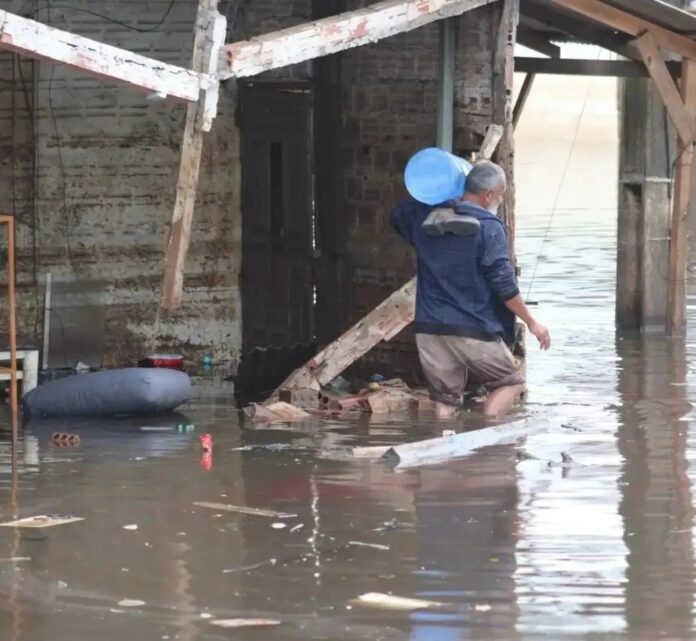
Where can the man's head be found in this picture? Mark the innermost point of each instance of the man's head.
(485, 185)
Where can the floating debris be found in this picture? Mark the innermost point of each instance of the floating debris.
(484, 607)
(376, 546)
(279, 526)
(131, 603)
(245, 510)
(245, 623)
(64, 439)
(132, 527)
(297, 527)
(42, 521)
(379, 600)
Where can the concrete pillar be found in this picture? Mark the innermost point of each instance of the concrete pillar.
(647, 146)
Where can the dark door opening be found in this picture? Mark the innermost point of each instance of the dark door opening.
(278, 231)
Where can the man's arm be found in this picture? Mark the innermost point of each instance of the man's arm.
(500, 276)
(402, 220)
(519, 308)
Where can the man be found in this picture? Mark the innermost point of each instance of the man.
(467, 297)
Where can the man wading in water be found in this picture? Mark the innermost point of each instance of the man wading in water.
(467, 297)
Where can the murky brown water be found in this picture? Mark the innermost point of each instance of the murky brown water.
(516, 549)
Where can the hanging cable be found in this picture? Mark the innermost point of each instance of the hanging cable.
(561, 184)
(118, 22)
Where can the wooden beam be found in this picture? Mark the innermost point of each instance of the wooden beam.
(534, 40)
(578, 67)
(684, 122)
(383, 323)
(525, 90)
(337, 33)
(42, 42)
(678, 249)
(633, 25)
(445, 448)
(210, 34)
(581, 29)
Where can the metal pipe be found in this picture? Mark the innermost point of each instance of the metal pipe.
(445, 101)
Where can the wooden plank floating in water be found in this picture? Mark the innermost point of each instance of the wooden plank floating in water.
(245, 510)
(391, 602)
(444, 448)
(42, 521)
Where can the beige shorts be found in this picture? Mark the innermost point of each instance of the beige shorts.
(450, 362)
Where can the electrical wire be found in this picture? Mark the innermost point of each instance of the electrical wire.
(59, 146)
(118, 22)
(561, 184)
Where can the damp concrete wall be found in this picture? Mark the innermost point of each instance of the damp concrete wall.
(89, 169)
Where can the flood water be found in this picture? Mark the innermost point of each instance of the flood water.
(515, 549)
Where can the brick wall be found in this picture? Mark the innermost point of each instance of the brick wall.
(106, 165)
(98, 206)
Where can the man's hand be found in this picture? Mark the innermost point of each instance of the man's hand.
(542, 334)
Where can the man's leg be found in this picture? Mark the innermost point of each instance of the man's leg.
(500, 400)
(445, 372)
(493, 364)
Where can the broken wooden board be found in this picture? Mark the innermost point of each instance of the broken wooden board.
(239, 509)
(279, 412)
(445, 448)
(210, 35)
(381, 324)
(388, 401)
(42, 521)
(36, 40)
(336, 33)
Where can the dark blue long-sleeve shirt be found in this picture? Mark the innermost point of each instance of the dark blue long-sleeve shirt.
(463, 281)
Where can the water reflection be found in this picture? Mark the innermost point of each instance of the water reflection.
(465, 548)
(656, 503)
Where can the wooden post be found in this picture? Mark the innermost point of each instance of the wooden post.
(210, 34)
(678, 251)
(503, 79)
(8, 221)
(644, 207)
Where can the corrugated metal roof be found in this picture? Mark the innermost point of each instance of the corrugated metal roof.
(659, 12)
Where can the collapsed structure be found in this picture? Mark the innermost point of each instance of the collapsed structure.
(299, 117)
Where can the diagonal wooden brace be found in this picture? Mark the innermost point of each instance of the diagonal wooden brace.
(684, 122)
(210, 35)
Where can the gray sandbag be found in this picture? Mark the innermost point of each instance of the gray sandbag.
(110, 393)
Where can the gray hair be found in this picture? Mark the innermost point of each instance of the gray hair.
(485, 176)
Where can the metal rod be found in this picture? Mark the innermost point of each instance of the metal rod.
(47, 319)
(13, 323)
(445, 102)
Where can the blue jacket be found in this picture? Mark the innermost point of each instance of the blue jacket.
(463, 281)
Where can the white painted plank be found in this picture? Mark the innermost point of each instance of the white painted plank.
(445, 448)
(337, 33)
(42, 42)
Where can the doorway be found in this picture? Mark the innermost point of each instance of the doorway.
(278, 230)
